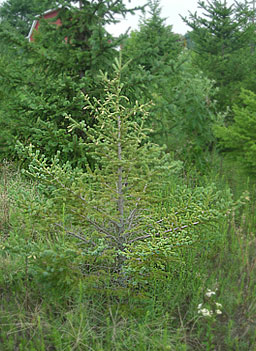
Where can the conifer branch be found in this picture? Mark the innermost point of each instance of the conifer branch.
(143, 237)
(75, 235)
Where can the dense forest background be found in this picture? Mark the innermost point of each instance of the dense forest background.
(127, 192)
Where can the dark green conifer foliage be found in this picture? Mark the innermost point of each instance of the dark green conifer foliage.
(222, 39)
(162, 71)
(154, 43)
(150, 50)
(153, 50)
(21, 13)
(239, 138)
(57, 69)
(88, 47)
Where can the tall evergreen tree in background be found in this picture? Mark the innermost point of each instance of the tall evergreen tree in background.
(222, 41)
(20, 14)
(56, 73)
(154, 44)
(162, 69)
(153, 50)
(150, 49)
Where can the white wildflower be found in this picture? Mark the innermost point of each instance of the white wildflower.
(205, 312)
(219, 305)
(199, 306)
(218, 312)
(209, 293)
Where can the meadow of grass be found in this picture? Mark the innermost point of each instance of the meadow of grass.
(48, 302)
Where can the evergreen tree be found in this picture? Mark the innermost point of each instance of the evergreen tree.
(162, 71)
(239, 138)
(115, 209)
(151, 49)
(154, 44)
(222, 40)
(55, 73)
(21, 13)
(191, 114)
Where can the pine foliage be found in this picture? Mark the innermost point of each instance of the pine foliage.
(239, 138)
(115, 207)
(222, 39)
(43, 79)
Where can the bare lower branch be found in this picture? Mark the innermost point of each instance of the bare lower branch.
(133, 212)
(98, 227)
(75, 235)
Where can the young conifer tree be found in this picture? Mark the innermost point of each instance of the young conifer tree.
(113, 196)
(116, 208)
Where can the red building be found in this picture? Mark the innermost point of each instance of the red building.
(46, 15)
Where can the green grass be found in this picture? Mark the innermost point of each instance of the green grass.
(68, 313)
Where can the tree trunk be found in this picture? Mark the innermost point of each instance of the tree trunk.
(120, 201)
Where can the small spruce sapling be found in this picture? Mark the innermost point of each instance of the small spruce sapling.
(115, 206)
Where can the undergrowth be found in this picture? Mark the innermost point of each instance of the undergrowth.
(49, 301)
